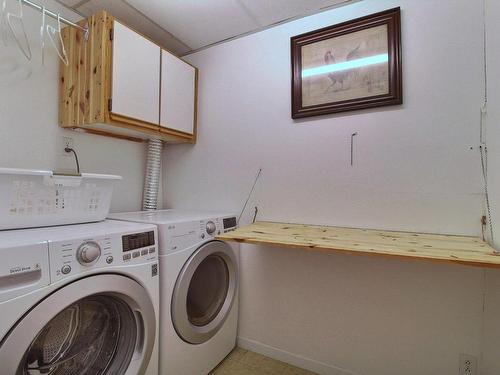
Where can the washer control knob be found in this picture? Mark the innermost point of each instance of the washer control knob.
(66, 269)
(210, 227)
(88, 253)
(109, 259)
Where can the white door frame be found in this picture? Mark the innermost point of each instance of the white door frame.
(15, 344)
(184, 328)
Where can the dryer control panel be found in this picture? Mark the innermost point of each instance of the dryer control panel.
(182, 235)
(229, 223)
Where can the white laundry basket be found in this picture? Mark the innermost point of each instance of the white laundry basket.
(33, 198)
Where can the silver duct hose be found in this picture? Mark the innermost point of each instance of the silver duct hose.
(152, 180)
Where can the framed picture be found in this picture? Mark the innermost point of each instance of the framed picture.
(349, 66)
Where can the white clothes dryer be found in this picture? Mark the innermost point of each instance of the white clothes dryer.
(198, 288)
(79, 299)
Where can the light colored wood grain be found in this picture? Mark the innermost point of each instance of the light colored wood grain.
(463, 250)
(126, 131)
(98, 71)
(133, 123)
(166, 132)
(84, 82)
(126, 136)
(70, 82)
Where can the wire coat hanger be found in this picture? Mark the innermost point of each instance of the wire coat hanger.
(3, 22)
(42, 36)
(51, 31)
(26, 49)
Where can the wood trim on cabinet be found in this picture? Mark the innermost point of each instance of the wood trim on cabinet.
(107, 61)
(188, 137)
(128, 132)
(132, 122)
(112, 135)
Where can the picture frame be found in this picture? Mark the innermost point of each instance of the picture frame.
(348, 66)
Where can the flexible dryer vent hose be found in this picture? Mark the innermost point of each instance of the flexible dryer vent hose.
(152, 180)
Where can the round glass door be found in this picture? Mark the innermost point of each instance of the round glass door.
(204, 292)
(95, 335)
(99, 325)
(207, 290)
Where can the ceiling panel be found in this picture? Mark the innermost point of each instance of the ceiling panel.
(186, 25)
(70, 3)
(131, 17)
(269, 12)
(198, 23)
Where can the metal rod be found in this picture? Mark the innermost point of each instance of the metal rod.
(250, 194)
(54, 15)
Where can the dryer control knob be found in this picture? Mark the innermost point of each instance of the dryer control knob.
(88, 253)
(211, 227)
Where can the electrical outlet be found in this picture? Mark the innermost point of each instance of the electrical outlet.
(468, 364)
(67, 142)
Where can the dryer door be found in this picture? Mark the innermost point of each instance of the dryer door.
(204, 292)
(102, 324)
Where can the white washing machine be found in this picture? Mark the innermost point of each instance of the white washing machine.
(198, 289)
(79, 299)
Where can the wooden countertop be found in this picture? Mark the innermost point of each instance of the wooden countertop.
(465, 250)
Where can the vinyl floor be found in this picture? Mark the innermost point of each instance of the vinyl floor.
(244, 362)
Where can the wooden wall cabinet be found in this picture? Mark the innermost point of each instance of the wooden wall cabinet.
(121, 84)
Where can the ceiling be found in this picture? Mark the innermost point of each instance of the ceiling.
(183, 26)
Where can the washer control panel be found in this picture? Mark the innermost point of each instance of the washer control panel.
(76, 256)
(138, 246)
(88, 253)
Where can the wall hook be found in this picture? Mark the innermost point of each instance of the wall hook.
(352, 147)
(255, 214)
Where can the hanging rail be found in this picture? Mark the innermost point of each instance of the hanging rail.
(54, 15)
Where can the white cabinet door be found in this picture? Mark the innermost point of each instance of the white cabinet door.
(136, 75)
(178, 80)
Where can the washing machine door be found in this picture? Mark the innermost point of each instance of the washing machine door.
(204, 292)
(102, 324)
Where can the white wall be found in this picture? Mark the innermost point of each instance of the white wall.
(492, 299)
(29, 132)
(414, 170)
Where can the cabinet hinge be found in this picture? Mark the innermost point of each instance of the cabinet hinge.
(111, 34)
(110, 105)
